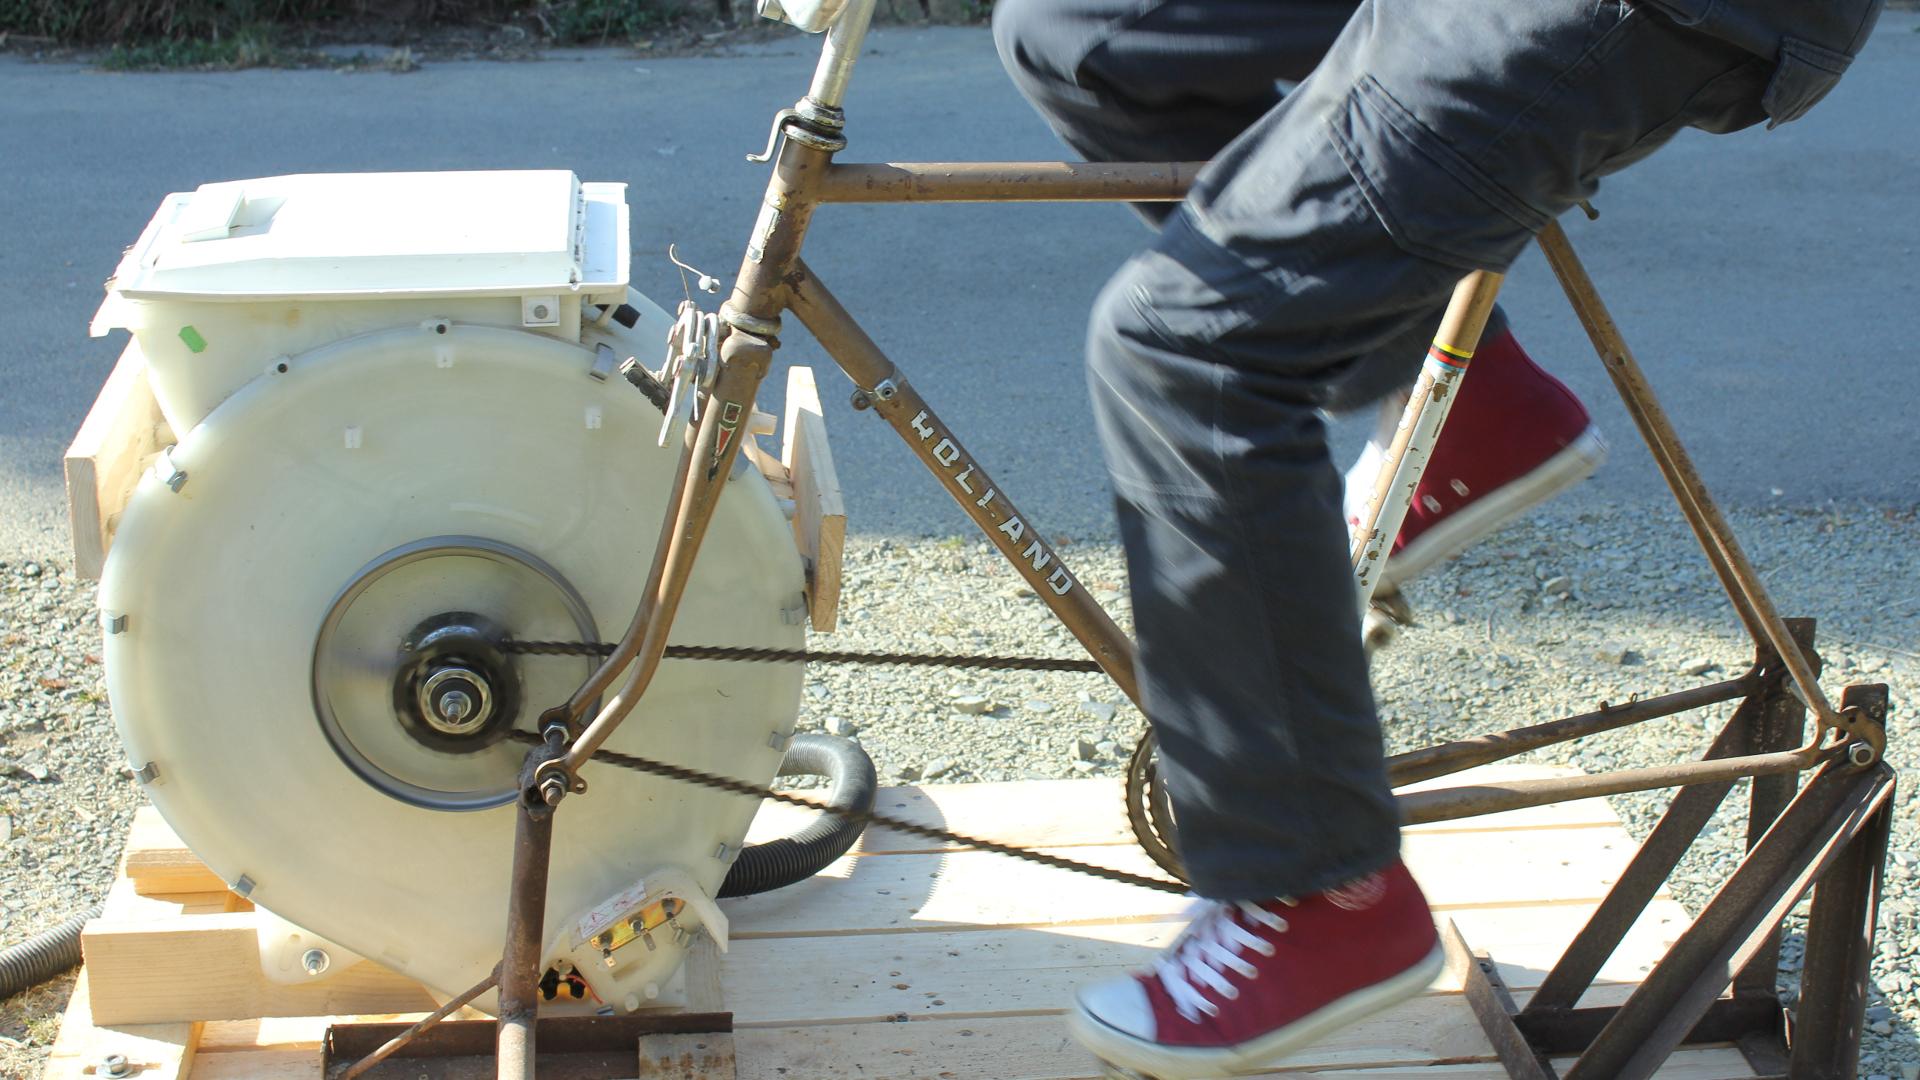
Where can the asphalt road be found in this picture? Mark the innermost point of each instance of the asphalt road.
(1767, 278)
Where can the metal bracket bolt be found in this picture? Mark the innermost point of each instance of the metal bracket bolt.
(862, 401)
(886, 390)
(114, 1065)
(165, 471)
(315, 961)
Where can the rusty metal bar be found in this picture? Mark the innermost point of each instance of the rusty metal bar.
(1780, 723)
(1744, 587)
(526, 922)
(1744, 1021)
(1840, 931)
(386, 1049)
(1834, 808)
(1492, 1004)
(715, 449)
(1448, 804)
(1427, 407)
(1023, 543)
(631, 640)
(1640, 882)
(1428, 762)
(752, 313)
(573, 1047)
(1007, 181)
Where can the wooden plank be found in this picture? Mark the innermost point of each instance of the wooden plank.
(121, 432)
(1038, 1048)
(820, 517)
(792, 981)
(900, 893)
(770, 468)
(207, 967)
(686, 1057)
(157, 862)
(160, 1051)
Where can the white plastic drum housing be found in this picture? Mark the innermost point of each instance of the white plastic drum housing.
(330, 505)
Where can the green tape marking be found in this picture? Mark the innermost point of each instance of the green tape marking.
(193, 339)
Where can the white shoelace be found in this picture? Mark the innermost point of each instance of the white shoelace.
(1211, 946)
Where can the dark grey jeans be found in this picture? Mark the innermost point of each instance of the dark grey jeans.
(1305, 272)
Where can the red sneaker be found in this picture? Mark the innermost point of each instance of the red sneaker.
(1250, 983)
(1516, 437)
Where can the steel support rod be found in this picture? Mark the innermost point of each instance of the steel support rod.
(1428, 762)
(526, 924)
(732, 393)
(1432, 397)
(1007, 181)
(1840, 929)
(1640, 882)
(1448, 804)
(631, 640)
(837, 55)
(1744, 587)
(1779, 723)
(386, 1050)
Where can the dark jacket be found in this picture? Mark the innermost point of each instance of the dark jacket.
(1811, 42)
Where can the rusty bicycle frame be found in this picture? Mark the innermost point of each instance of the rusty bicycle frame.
(1830, 831)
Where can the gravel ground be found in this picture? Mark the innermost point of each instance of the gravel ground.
(1569, 608)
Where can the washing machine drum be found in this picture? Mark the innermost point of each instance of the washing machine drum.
(311, 618)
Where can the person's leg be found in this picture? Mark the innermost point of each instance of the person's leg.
(1160, 80)
(1431, 140)
(1177, 80)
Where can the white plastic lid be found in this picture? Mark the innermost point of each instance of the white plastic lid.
(330, 236)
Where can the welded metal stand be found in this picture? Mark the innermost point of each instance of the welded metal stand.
(1830, 838)
(1827, 837)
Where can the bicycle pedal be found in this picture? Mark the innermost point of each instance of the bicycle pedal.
(1385, 617)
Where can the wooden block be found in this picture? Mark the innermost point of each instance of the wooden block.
(686, 1057)
(157, 862)
(121, 433)
(770, 468)
(820, 517)
(701, 971)
(160, 1051)
(207, 967)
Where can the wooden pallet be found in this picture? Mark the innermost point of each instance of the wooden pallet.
(903, 960)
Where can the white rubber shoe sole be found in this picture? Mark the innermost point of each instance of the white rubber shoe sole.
(1488, 514)
(1149, 1059)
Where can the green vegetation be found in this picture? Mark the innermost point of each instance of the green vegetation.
(243, 33)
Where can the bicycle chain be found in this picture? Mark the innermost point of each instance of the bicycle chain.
(699, 778)
(803, 656)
